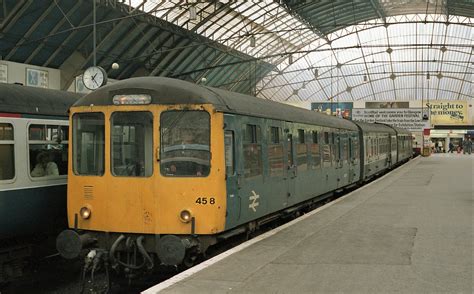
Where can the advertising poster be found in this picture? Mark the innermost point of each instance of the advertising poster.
(341, 109)
(406, 118)
(448, 112)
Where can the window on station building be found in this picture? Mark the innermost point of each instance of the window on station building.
(7, 152)
(48, 150)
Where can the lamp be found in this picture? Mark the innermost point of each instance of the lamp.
(192, 13)
(253, 41)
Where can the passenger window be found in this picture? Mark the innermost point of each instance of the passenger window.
(132, 144)
(301, 152)
(252, 151)
(315, 137)
(326, 151)
(301, 139)
(274, 135)
(229, 153)
(7, 153)
(48, 148)
(275, 153)
(315, 151)
(185, 143)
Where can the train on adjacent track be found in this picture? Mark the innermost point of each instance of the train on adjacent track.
(33, 128)
(161, 169)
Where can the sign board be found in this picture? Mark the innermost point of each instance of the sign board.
(405, 118)
(3, 73)
(448, 112)
(37, 78)
(384, 105)
(341, 109)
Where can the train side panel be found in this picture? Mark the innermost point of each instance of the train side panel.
(273, 165)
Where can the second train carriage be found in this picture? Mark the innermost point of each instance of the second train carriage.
(33, 124)
(165, 167)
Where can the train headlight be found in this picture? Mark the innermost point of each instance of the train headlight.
(185, 216)
(85, 212)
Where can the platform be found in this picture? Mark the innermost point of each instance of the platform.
(410, 231)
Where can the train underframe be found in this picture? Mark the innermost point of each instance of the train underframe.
(132, 254)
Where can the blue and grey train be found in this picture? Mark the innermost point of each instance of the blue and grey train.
(33, 170)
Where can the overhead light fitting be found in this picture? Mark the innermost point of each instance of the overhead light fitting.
(290, 59)
(316, 73)
(253, 41)
(439, 76)
(192, 13)
(365, 78)
(428, 76)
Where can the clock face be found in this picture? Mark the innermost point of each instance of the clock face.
(94, 77)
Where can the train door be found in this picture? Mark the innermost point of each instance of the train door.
(352, 160)
(291, 168)
(339, 166)
(233, 165)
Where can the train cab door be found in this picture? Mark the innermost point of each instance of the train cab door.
(291, 168)
(233, 163)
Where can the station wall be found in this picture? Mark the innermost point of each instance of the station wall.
(30, 75)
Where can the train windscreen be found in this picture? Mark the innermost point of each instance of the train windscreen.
(185, 143)
(88, 143)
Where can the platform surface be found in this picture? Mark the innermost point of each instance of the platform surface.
(410, 232)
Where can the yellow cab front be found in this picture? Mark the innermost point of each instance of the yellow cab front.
(147, 169)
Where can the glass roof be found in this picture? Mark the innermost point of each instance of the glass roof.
(390, 57)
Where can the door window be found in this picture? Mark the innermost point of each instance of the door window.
(7, 156)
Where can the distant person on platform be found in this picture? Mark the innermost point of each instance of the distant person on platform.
(451, 147)
(439, 146)
(467, 146)
(44, 166)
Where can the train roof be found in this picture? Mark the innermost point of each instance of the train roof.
(29, 100)
(173, 91)
(375, 128)
(400, 131)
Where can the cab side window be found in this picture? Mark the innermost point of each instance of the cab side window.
(7, 156)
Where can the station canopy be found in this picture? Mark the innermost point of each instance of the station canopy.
(344, 50)
(286, 50)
